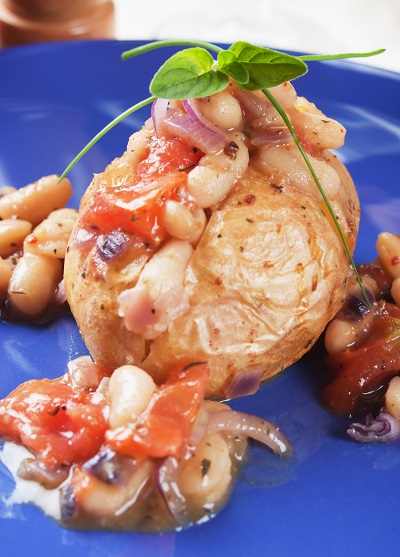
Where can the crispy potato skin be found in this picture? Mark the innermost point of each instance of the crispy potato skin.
(267, 276)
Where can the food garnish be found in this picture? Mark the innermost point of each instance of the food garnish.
(193, 73)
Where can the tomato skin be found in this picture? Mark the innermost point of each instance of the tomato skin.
(365, 368)
(166, 423)
(57, 423)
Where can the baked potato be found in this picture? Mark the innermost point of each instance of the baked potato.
(240, 264)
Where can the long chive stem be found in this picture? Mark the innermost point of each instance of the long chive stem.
(164, 43)
(106, 129)
(322, 57)
(285, 118)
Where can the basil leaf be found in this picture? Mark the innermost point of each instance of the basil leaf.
(266, 68)
(228, 64)
(188, 74)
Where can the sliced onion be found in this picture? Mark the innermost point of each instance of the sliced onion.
(383, 428)
(158, 112)
(252, 106)
(180, 124)
(192, 108)
(245, 383)
(165, 479)
(239, 423)
(112, 245)
(35, 470)
(82, 239)
(270, 136)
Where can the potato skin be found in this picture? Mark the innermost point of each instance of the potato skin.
(267, 276)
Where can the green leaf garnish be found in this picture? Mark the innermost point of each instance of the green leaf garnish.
(266, 68)
(189, 73)
(193, 73)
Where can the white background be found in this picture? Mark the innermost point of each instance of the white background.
(314, 26)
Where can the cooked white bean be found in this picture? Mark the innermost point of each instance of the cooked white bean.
(285, 94)
(33, 283)
(138, 147)
(284, 162)
(5, 190)
(206, 476)
(214, 176)
(316, 128)
(12, 235)
(182, 223)
(395, 291)
(223, 110)
(5, 275)
(388, 248)
(36, 201)
(130, 391)
(51, 236)
(392, 398)
(159, 296)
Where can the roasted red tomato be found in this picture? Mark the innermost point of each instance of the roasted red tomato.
(363, 369)
(163, 427)
(58, 423)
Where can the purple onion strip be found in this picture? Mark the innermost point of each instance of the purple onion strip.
(245, 383)
(165, 479)
(239, 423)
(112, 245)
(383, 428)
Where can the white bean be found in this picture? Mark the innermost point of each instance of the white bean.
(214, 176)
(206, 476)
(36, 201)
(5, 190)
(223, 110)
(395, 291)
(51, 236)
(159, 297)
(392, 398)
(316, 128)
(33, 283)
(388, 248)
(138, 147)
(5, 276)
(130, 391)
(283, 162)
(182, 223)
(12, 235)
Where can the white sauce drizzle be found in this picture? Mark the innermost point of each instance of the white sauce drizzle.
(28, 491)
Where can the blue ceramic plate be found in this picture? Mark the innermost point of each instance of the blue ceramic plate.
(337, 498)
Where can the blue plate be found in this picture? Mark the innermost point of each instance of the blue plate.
(337, 498)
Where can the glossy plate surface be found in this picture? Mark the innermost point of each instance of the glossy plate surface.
(337, 498)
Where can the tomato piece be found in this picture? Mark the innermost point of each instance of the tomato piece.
(57, 423)
(166, 423)
(135, 208)
(167, 156)
(367, 367)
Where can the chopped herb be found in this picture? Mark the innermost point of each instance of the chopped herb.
(205, 466)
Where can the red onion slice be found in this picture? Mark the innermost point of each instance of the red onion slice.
(383, 428)
(159, 110)
(243, 384)
(179, 124)
(239, 423)
(165, 479)
(252, 106)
